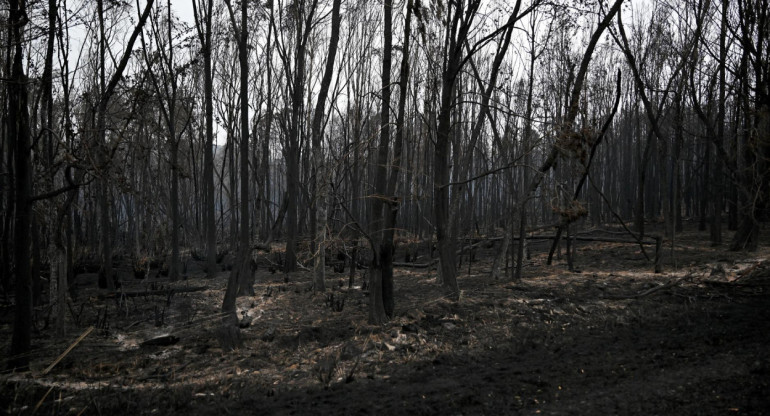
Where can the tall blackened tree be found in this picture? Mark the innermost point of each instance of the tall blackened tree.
(19, 135)
(567, 128)
(204, 16)
(106, 91)
(238, 280)
(393, 193)
(754, 37)
(460, 20)
(320, 176)
(166, 85)
(302, 19)
(382, 255)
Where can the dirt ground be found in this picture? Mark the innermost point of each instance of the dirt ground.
(614, 338)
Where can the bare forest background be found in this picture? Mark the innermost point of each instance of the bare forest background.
(289, 134)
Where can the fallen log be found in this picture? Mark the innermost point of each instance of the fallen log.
(161, 340)
(434, 261)
(612, 240)
(416, 265)
(161, 292)
(531, 237)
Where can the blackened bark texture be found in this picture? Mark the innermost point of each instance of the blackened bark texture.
(527, 155)
(303, 22)
(107, 89)
(105, 273)
(239, 281)
(717, 202)
(19, 135)
(755, 176)
(459, 22)
(176, 222)
(203, 19)
(57, 288)
(166, 90)
(380, 250)
(264, 178)
(390, 212)
(245, 279)
(320, 176)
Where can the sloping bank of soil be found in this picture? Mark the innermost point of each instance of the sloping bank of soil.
(609, 340)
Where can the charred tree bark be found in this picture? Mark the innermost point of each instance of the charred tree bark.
(19, 135)
(458, 22)
(166, 89)
(320, 176)
(303, 22)
(203, 20)
(106, 275)
(755, 173)
(520, 247)
(719, 191)
(390, 212)
(264, 178)
(382, 252)
(106, 91)
(241, 281)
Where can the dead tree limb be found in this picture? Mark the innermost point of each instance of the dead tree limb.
(68, 350)
(587, 166)
(617, 217)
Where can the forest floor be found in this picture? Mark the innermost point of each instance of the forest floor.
(614, 338)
